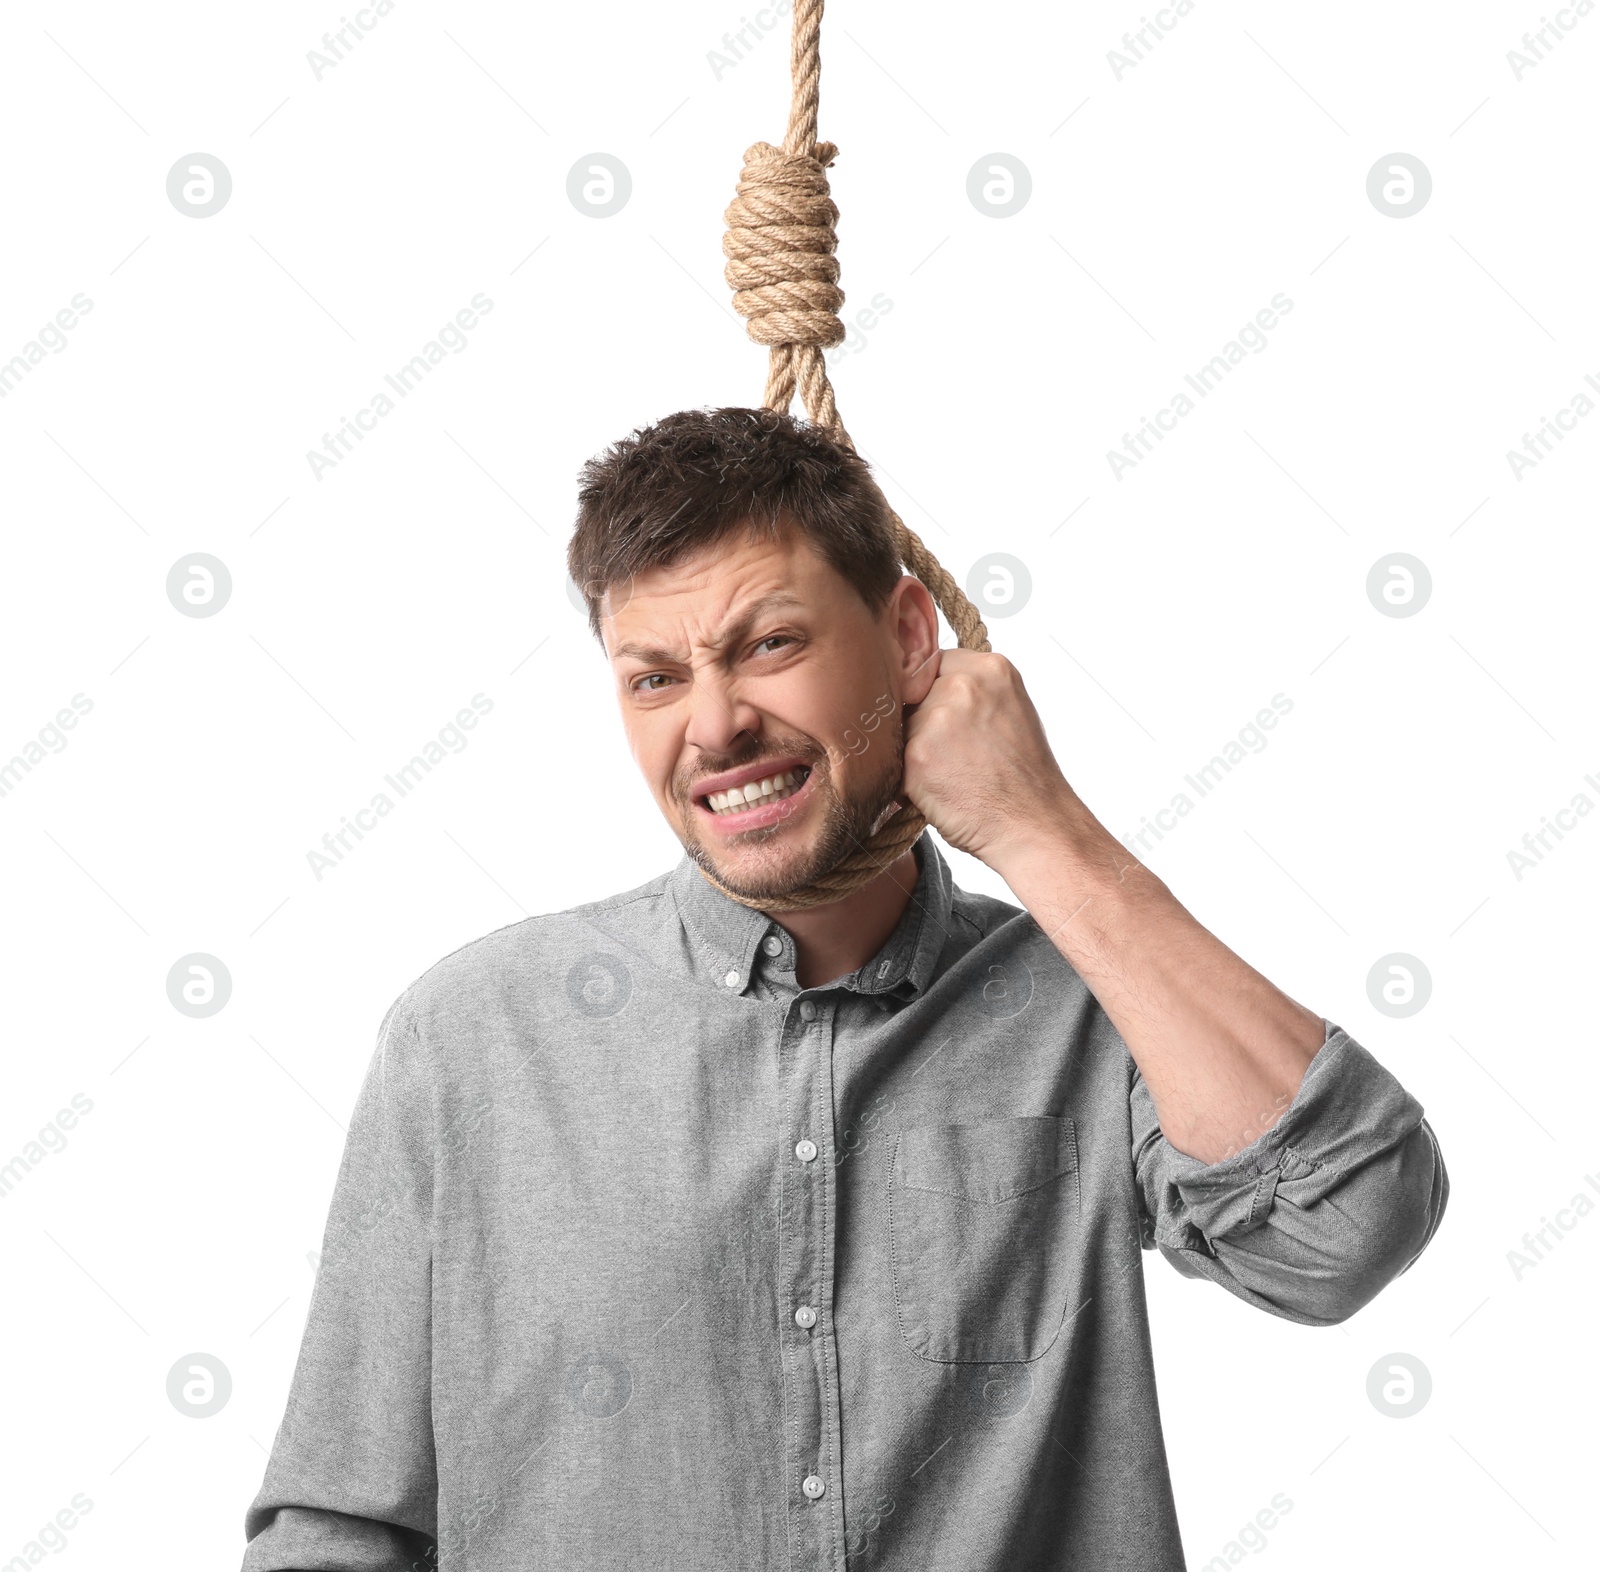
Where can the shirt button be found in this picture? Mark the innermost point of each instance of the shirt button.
(812, 1486)
(731, 980)
(808, 1010)
(806, 1151)
(805, 1316)
(772, 944)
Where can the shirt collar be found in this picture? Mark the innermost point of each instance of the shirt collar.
(728, 934)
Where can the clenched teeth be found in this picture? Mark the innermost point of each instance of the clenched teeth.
(737, 798)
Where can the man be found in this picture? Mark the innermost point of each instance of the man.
(673, 1234)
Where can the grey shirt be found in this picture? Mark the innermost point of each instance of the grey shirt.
(642, 1256)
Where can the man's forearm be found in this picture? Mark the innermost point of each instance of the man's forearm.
(1221, 1049)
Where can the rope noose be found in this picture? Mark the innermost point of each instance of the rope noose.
(780, 246)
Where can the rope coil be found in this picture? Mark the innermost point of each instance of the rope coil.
(780, 244)
(781, 266)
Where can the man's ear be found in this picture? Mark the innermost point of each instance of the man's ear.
(914, 619)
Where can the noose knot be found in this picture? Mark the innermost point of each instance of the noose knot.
(780, 247)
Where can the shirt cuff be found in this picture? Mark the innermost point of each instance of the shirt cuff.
(1347, 1111)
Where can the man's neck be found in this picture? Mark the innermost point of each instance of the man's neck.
(833, 940)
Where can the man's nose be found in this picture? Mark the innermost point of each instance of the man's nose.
(718, 715)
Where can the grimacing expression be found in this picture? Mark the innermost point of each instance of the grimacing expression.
(762, 701)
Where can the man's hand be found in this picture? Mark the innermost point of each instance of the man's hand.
(977, 766)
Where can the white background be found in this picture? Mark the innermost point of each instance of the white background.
(1168, 606)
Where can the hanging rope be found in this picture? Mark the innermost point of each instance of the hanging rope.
(780, 246)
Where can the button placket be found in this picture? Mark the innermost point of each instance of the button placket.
(808, 1224)
(824, 1350)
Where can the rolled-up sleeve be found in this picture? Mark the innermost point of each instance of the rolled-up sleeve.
(1314, 1217)
(350, 1483)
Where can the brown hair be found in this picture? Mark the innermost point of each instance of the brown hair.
(696, 476)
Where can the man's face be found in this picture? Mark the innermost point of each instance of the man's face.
(753, 661)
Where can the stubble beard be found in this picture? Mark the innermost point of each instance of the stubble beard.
(846, 825)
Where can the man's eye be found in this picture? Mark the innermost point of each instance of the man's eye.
(652, 676)
(771, 638)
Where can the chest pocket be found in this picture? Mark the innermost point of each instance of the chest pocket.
(982, 1225)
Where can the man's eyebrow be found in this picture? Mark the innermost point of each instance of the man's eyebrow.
(655, 654)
